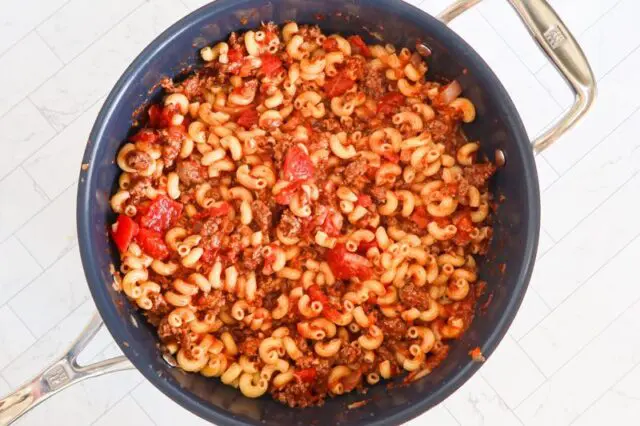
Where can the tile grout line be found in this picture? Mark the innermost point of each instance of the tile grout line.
(575, 356)
(42, 268)
(500, 398)
(51, 201)
(578, 35)
(35, 339)
(56, 132)
(543, 229)
(46, 18)
(64, 65)
(516, 55)
(37, 186)
(636, 365)
(138, 402)
(625, 119)
(2, 370)
(135, 401)
(37, 33)
(450, 413)
(544, 158)
(596, 208)
(532, 361)
(580, 286)
(42, 273)
(23, 163)
(101, 415)
(578, 161)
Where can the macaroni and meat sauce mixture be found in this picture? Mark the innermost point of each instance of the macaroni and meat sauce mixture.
(301, 215)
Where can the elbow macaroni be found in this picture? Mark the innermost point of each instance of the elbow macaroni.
(312, 205)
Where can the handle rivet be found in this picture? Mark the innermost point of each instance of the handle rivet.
(500, 159)
(423, 50)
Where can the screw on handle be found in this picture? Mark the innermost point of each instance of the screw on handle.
(61, 374)
(560, 47)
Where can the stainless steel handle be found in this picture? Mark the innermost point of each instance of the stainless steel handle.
(59, 375)
(561, 48)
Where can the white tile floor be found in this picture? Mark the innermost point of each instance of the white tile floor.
(572, 355)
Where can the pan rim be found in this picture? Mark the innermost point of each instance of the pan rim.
(87, 188)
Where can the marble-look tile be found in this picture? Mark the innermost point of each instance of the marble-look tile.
(566, 330)
(477, 404)
(51, 346)
(545, 243)
(18, 18)
(536, 107)
(511, 373)
(23, 131)
(162, 410)
(89, 76)
(53, 295)
(52, 232)
(546, 174)
(578, 384)
(602, 46)
(26, 200)
(4, 387)
(86, 402)
(621, 403)
(531, 312)
(57, 165)
(18, 268)
(617, 100)
(22, 66)
(125, 413)
(14, 336)
(507, 23)
(589, 246)
(68, 36)
(594, 179)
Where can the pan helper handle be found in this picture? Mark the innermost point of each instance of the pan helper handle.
(58, 376)
(559, 45)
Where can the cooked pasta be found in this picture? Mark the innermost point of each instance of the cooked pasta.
(301, 217)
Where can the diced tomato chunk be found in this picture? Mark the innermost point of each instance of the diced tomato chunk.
(208, 256)
(338, 85)
(391, 157)
(248, 118)
(420, 217)
(297, 165)
(222, 209)
(286, 194)
(389, 103)
(152, 243)
(463, 222)
(161, 214)
(364, 200)
(145, 135)
(333, 223)
(160, 117)
(306, 375)
(332, 314)
(330, 44)
(358, 44)
(317, 295)
(235, 55)
(271, 64)
(345, 264)
(125, 230)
